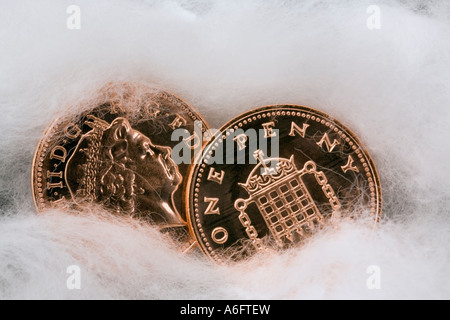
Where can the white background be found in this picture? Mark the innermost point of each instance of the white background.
(391, 86)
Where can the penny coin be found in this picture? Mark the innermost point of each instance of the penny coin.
(116, 153)
(272, 177)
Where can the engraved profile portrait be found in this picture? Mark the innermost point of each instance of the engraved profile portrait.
(120, 168)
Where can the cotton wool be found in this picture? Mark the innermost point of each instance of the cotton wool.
(382, 68)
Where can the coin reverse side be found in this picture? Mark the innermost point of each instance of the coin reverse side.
(246, 195)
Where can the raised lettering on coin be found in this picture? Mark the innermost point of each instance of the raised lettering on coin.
(296, 129)
(213, 175)
(268, 126)
(241, 139)
(330, 146)
(349, 165)
(211, 209)
(219, 235)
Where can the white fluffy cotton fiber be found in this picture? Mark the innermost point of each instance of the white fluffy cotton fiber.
(388, 82)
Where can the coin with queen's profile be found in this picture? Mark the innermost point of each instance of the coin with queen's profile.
(274, 176)
(116, 154)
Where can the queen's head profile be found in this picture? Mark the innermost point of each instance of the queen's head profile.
(120, 168)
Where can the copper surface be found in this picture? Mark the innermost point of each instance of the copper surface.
(116, 154)
(322, 171)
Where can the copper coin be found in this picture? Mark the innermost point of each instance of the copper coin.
(117, 153)
(275, 175)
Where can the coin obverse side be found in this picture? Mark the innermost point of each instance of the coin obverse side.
(117, 154)
(244, 197)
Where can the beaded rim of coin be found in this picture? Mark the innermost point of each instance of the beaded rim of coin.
(48, 179)
(198, 171)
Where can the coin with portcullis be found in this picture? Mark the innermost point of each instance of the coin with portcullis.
(274, 176)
